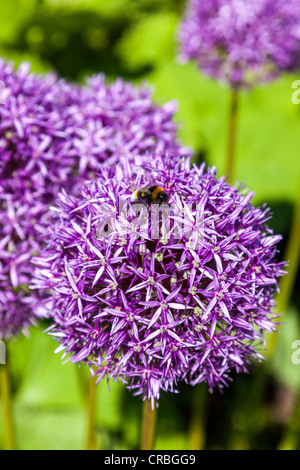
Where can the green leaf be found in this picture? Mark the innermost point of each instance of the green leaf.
(12, 14)
(42, 379)
(49, 429)
(171, 442)
(37, 65)
(109, 412)
(284, 368)
(149, 41)
(49, 397)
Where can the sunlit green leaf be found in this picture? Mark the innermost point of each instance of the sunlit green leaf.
(285, 363)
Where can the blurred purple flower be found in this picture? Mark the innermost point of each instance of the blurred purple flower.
(160, 294)
(242, 42)
(53, 135)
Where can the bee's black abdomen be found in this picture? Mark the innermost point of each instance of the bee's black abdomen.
(152, 195)
(162, 198)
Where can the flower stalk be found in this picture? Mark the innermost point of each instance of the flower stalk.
(290, 439)
(8, 423)
(196, 438)
(91, 408)
(232, 135)
(148, 425)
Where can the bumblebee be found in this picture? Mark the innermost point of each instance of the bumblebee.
(151, 195)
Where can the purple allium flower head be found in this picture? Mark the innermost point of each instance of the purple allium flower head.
(157, 294)
(242, 42)
(52, 135)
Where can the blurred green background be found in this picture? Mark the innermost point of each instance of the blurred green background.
(136, 39)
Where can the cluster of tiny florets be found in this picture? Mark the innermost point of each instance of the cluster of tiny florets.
(242, 42)
(54, 134)
(157, 294)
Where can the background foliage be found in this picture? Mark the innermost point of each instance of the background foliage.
(136, 39)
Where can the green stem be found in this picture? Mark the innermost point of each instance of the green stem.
(8, 424)
(196, 438)
(232, 132)
(291, 439)
(148, 426)
(83, 375)
(91, 405)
